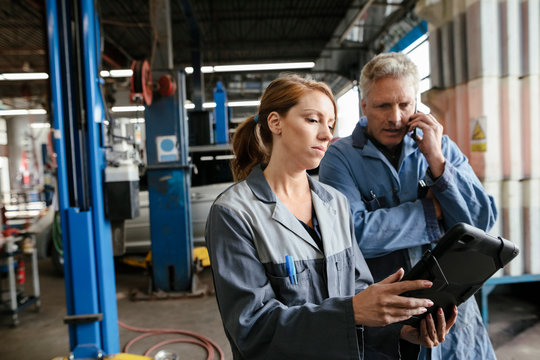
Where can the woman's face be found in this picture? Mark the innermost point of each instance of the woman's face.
(306, 130)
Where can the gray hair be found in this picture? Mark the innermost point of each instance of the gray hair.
(396, 65)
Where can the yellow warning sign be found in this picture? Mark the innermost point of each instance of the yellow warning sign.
(478, 133)
(478, 127)
(479, 147)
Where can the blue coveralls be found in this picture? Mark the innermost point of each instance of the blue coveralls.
(393, 225)
(248, 233)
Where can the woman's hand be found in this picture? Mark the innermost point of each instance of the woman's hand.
(380, 304)
(430, 333)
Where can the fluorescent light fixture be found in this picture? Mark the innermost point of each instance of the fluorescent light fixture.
(211, 105)
(189, 106)
(40, 125)
(127, 108)
(23, 112)
(24, 76)
(245, 103)
(204, 69)
(253, 67)
(116, 73)
(225, 157)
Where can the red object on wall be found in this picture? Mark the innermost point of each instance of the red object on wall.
(167, 86)
(141, 83)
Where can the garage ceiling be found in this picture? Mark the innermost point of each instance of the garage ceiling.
(338, 35)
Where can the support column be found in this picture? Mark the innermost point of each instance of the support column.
(497, 118)
(530, 105)
(491, 105)
(510, 112)
(17, 130)
(168, 170)
(483, 74)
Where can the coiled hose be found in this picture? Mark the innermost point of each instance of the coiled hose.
(197, 339)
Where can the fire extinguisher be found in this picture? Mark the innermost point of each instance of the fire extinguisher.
(21, 274)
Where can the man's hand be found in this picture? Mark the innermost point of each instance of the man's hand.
(430, 333)
(430, 143)
(380, 304)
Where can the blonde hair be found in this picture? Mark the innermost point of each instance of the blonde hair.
(396, 65)
(252, 140)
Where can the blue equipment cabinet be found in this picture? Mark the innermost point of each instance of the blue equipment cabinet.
(168, 174)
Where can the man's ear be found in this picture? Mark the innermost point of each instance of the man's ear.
(274, 123)
(364, 106)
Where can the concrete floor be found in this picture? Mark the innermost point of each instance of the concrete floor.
(514, 320)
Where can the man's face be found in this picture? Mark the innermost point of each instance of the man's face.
(388, 107)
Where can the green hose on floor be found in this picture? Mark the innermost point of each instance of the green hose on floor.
(57, 234)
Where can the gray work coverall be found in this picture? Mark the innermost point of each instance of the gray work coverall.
(248, 233)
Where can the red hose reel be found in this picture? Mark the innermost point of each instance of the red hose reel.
(142, 86)
(141, 83)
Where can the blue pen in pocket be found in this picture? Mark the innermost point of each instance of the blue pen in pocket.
(291, 269)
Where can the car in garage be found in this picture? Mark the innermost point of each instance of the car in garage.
(137, 230)
(210, 176)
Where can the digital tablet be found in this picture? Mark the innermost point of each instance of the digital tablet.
(464, 258)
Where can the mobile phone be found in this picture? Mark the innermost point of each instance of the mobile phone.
(413, 133)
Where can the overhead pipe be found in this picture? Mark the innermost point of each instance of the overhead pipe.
(196, 55)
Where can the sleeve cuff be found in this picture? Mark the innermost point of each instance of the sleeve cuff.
(432, 224)
(382, 342)
(442, 182)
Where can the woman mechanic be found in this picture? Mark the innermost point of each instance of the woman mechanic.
(290, 280)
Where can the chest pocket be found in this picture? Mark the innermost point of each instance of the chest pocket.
(293, 294)
(374, 203)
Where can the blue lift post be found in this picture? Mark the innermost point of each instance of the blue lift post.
(222, 118)
(78, 114)
(169, 180)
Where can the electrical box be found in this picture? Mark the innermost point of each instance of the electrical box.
(122, 192)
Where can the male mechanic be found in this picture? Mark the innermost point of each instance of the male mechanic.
(407, 184)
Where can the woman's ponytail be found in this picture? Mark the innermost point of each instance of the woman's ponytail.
(247, 148)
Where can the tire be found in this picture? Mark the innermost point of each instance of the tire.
(57, 261)
(57, 255)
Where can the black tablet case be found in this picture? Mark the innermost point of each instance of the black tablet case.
(464, 258)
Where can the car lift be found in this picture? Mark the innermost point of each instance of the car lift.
(78, 120)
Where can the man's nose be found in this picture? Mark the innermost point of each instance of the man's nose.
(396, 116)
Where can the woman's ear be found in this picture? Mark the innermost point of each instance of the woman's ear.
(274, 123)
